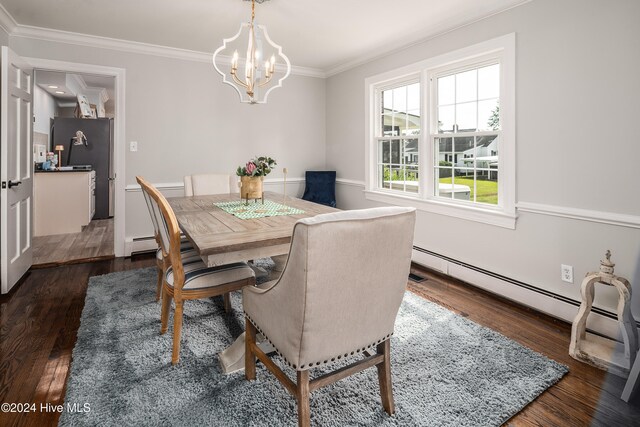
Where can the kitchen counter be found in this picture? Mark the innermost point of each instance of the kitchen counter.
(82, 170)
(57, 171)
(63, 202)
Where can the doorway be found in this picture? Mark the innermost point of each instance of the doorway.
(98, 174)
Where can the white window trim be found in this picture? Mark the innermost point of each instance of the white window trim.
(402, 81)
(502, 216)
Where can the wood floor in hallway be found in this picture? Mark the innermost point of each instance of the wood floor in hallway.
(94, 242)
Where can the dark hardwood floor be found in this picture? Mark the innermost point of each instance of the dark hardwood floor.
(39, 321)
(586, 396)
(38, 325)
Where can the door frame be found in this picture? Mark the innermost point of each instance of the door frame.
(119, 142)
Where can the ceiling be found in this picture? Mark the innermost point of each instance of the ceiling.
(319, 34)
(73, 84)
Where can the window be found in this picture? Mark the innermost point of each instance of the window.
(466, 123)
(441, 134)
(399, 125)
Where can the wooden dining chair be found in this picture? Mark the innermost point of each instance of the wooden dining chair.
(210, 183)
(186, 249)
(337, 298)
(192, 279)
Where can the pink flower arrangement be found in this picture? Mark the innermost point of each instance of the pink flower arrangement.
(250, 167)
(258, 166)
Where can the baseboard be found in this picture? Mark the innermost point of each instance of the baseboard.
(133, 245)
(600, 321)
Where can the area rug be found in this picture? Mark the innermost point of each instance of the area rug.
(447, 370)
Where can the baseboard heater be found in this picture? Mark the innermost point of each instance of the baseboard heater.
(415, 278)
(527, 286)
(144, 251)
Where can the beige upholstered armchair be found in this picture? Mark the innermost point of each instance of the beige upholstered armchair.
(338, 296)
(210, 183)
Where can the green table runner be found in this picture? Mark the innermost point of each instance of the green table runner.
(256, 209)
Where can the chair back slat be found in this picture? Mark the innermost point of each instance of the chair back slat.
(163, 229)
(168, 229)
(211, 183)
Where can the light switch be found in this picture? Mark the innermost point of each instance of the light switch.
(133, 146)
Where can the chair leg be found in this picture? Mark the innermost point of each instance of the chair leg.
(249, 357)
(177, 330)
(164, 312)
(159, 286)
(302, 396)
(384, 377)
(227, 302)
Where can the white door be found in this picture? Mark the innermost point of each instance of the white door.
(16, 168)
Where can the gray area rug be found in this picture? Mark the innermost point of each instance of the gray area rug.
(447, 370)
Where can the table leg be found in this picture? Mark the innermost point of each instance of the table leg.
(259, 271)
(280, 261)
(232, 358)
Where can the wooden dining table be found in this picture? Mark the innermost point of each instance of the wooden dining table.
(222, 238)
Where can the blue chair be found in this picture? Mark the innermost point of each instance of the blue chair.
(320, 187)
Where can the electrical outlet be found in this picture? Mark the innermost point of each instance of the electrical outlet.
(133, 146)
(566, 273)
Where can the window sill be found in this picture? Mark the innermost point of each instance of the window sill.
(477, 214)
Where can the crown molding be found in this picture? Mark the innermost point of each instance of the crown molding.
(99, 92)
(80, 80)
(78, 39)
(397, 47)
(6, 21)
(80, 85)
(9, 24)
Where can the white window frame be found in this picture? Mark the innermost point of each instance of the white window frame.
(504, 214)
(403, 81)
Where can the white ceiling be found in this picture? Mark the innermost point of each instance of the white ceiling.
(319, 34)
(81, 83)
(44, 79)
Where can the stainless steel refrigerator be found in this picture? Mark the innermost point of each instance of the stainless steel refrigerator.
(95, 149)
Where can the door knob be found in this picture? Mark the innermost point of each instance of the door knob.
(14, 183)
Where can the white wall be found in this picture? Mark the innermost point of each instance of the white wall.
(186, 121)
(577, 91)
(4, 37)
(44, 109)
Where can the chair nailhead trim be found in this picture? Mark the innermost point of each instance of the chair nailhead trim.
(333, 359)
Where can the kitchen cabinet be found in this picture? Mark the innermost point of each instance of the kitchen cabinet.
(63, 201)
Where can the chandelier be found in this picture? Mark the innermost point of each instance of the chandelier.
(261, 70)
